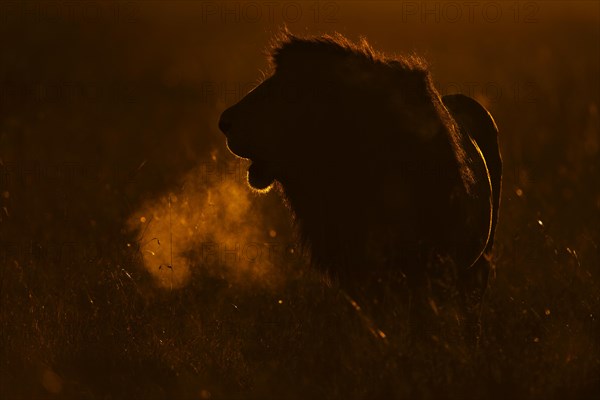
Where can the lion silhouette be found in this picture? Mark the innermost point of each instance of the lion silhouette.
(387, 181)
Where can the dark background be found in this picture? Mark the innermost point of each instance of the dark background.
(135, 263)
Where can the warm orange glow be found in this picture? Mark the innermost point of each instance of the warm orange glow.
(125, 274)
(204, 226)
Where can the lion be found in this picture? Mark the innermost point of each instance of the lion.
(387, 181)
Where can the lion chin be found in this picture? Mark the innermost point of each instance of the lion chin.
(260, 176)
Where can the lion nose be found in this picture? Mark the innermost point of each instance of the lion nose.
(225, 122)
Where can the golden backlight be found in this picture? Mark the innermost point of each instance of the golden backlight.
(130, 268)
(210, 226)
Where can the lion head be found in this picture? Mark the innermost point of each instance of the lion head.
(370, 161)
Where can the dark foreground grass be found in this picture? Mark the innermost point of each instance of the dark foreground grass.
(111, 334)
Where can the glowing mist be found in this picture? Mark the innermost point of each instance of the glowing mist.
(208, 224)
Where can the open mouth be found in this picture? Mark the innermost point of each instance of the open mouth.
(260, 174)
